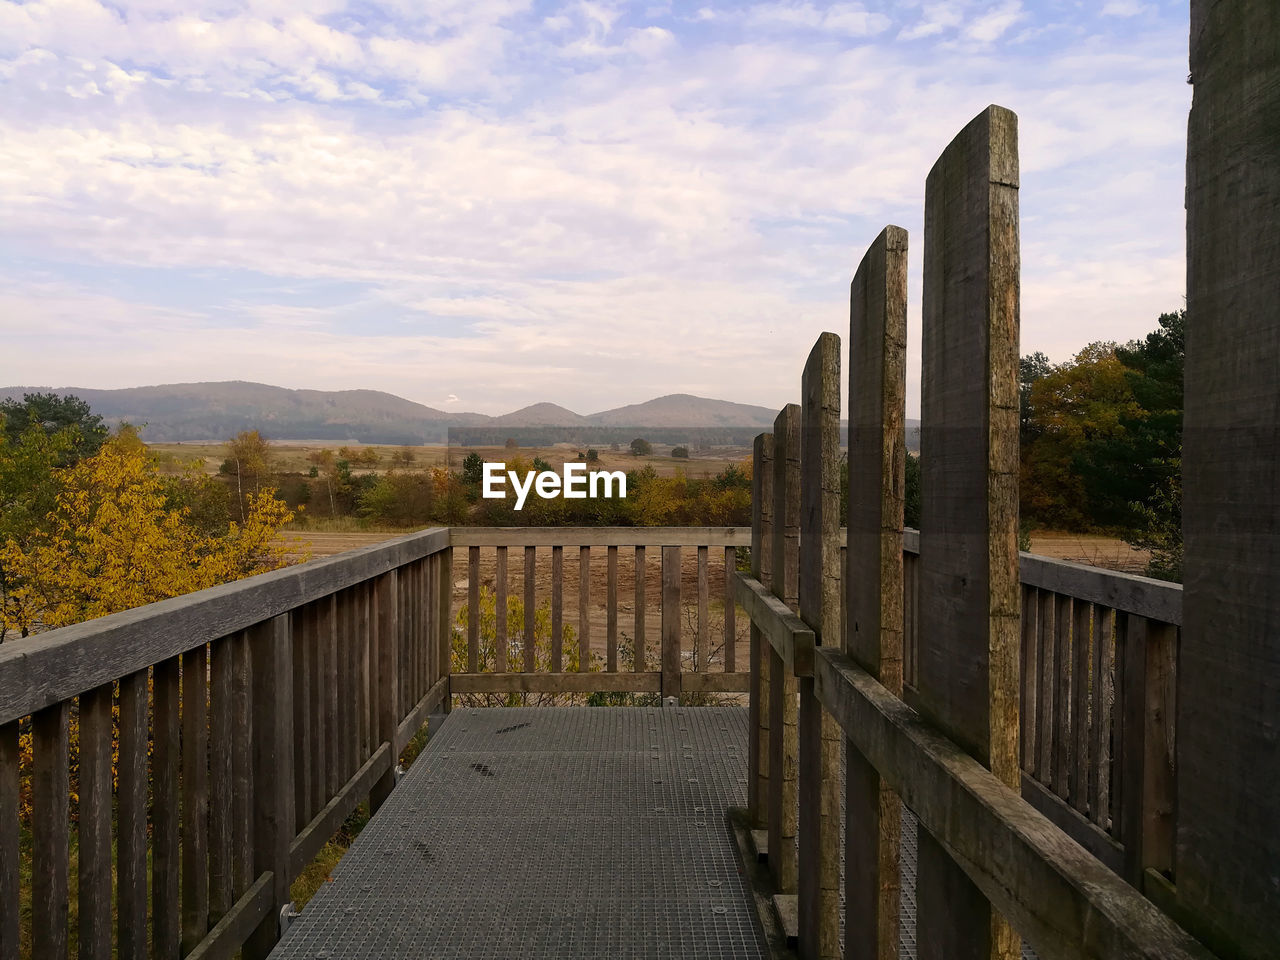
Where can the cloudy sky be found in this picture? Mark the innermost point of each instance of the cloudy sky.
(478, 204)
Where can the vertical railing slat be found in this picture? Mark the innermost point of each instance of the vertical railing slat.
(730, 613)
(242, 735)
(303, 748)
(1027, 668)
(639, 656)
(1100, 728)
(9, 834)
(671, 571)
(1046, 690)
(94, 887)
(1062, 740)
(1082, 618)
(50, 795)
(386, 647)
(220, 748)
(195, 797)
(704, 611)
(611, 612)
(165, 855)
(473, 609)
(557, 609)
(584, 608)
(500, 629)
(530, 575)
(131, 826)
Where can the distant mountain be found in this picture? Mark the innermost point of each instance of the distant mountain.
(213, 412)
(540, 415)
(684, 410)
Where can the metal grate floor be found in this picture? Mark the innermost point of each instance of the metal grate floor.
(550, 832)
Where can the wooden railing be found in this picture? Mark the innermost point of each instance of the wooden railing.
(1012, 703)
(253, 718)
(1098, 675)
(680, 635)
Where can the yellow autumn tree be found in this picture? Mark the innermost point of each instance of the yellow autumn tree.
(116, 540)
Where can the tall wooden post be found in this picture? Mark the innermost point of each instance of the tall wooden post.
(782, 690)
(1227, 866)
(819, 736)
(273, 826)
(874, 582)
(762, 570)
(386, 618)
(671, 660)
(969, 592)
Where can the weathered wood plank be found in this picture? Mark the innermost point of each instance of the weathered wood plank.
(671, 661)
(819, 741)
(387, 644)
(303, 749)
(783, 692)
(55, 666)
(1147, 827)
(717, 682)
(93, 892)
(165, 853)
(1067, 903)
(1062, 740)
(584, 606)
(1084, 832)
(500, 627)
(730, 612)
(328, 625)
(221, 897)
(432, 701)
(611, 611)
(1101, 725)
(969, 586)
(1228, 857)
(273, 821)
(320, 830)
(760, 656)
(530, 608)
(600, 536)
(195, 797)
(1027, 669)
(1155, 599)
(50, 838)
(1047, 690)
(1082, 640)
(9, 884)
(131, 819)
(701, 638)
(639, 657)
(788, 636)
(473, 609)
(242, 736)
(874, 579)
(557, 609)
(224, 940)
(444, 618)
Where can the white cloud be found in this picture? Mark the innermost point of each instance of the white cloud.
(991, 26)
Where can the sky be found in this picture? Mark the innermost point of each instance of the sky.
(480, 204)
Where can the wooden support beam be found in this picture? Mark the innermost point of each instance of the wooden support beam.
(671, 663)
(761, 569)
(968, 679)
(783, 692)
(818, 737)
(874, 590)
(387, 640)
(1228, 751)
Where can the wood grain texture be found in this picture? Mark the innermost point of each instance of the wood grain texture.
(131, 826)
(584, 606)
(473, 609)
(1068, 904)
(557, 609)
(968, 676)
(702, 637)
(195, 797)
(761, 568)
(166, 863)
(387, 646)
(530, 609)
(500, 605)
(63, 663)
(874, 585)
(1228, 753)
(730, 612)
(273, 813)
(671, 646)
(818, 741)
(93, 892)
(639, 657)
(9, 884)
(221, 898)
(49, 833)
(611, 611)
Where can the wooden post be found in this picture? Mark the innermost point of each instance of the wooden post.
(638, 656)
(1149, 650)
(873, 586)
(1228, 762)
(500, 611)
(671, 679)
(94, 891)
(611, 611)
(761, 569)
(969, 587)
(386, 616)
(531, 608)
(220, 749)
(444, 621)
(131, 829)
(584, 608)
(165, 855)
(818, 791)
(783, 744)
(195, 797)
(9, 841)
(557, 609)
(273, 826)
(49, 832)
(473, 610)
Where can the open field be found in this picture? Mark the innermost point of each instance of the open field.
(292, 457)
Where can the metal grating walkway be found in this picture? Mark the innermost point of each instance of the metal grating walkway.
(550, 833)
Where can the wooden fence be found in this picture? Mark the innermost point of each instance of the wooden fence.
(1014, 704)
(247, 721)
